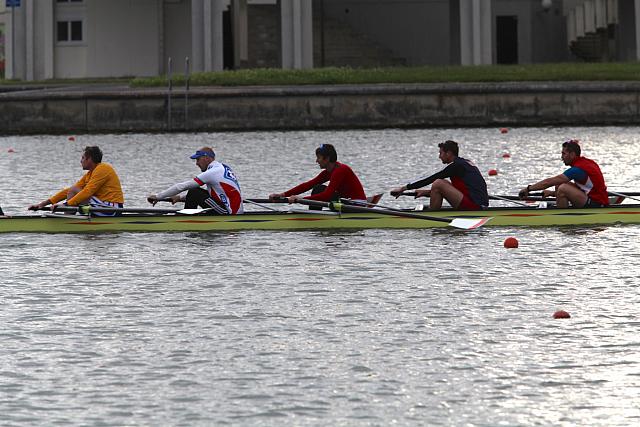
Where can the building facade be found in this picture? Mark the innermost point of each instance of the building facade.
(45, 39)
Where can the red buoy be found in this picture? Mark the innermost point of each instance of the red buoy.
(11, 150)
(493, 172)
(506, 155)
(72, 138)
(510, 243)
(504, 130)
(561, 314)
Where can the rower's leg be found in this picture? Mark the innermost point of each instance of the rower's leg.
(195, 198)
(72, 193)
(570, 192)
(443, 189)
(317, 190)
(200, 197)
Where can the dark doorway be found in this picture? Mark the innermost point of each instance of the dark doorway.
(507, 39)
(227, 44)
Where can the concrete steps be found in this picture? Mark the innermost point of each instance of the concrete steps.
(345, 47)
(592, 47)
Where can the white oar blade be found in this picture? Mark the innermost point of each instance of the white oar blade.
(191, 211)
(469, 223)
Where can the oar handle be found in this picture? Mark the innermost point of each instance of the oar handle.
(404, 193)
(277, 200)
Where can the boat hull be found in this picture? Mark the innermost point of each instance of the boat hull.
(627, 214)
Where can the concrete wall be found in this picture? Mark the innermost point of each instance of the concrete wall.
(549, 34)
(264, 36)
(123, 38)
(626, 31)
(176, 34)
(70, 59)
(541, 33)
(320, 107)
(415, 30)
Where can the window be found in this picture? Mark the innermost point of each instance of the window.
(69, 31)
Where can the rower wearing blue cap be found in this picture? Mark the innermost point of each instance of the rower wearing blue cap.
(222, 195)
(203, 153)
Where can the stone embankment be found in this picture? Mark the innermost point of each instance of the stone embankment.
(104, 108)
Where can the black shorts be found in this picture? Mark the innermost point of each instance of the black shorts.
(592, 204)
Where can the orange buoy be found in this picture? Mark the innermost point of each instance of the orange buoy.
(504, 130)
(506, 155)
(11, 150)
(510, 243)
(493, 172)
(561, 314)
(72, 138)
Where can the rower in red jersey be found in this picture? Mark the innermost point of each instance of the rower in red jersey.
(343, 182)
(588, 188)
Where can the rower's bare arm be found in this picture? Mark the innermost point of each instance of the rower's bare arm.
(177, 189)
(550, 182)
(423, 193)
(554, 181)
(398, 191)
(40, 205)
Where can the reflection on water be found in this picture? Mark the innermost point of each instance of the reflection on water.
(367, 327)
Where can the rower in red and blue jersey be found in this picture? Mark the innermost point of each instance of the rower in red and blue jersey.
(467, 189)
(222, 196)
(343, 182)
(588, 188)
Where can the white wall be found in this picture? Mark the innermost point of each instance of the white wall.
(123, 38)
(176, 32)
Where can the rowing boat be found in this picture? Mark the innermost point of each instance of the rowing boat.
(310, 220)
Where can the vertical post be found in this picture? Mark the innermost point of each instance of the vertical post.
(13, 41)
(476, 32)
(170, 83)
(637, 25)
(322, 41)
(186, 93)
(197, 34)
(240, 27)
(297, 33)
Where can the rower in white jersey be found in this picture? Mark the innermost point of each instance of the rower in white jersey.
(222, 195)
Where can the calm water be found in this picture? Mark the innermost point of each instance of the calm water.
(361, 328)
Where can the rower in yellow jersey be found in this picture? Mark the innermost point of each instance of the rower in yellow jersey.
(99, 187)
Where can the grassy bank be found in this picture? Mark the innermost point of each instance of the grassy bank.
(491, 73)
(627, 71)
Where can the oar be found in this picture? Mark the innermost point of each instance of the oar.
(625, 195)
(505, 199)
(512, 199)
(464, 223)
(244, 200)
(89, 209)
(269, 208)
